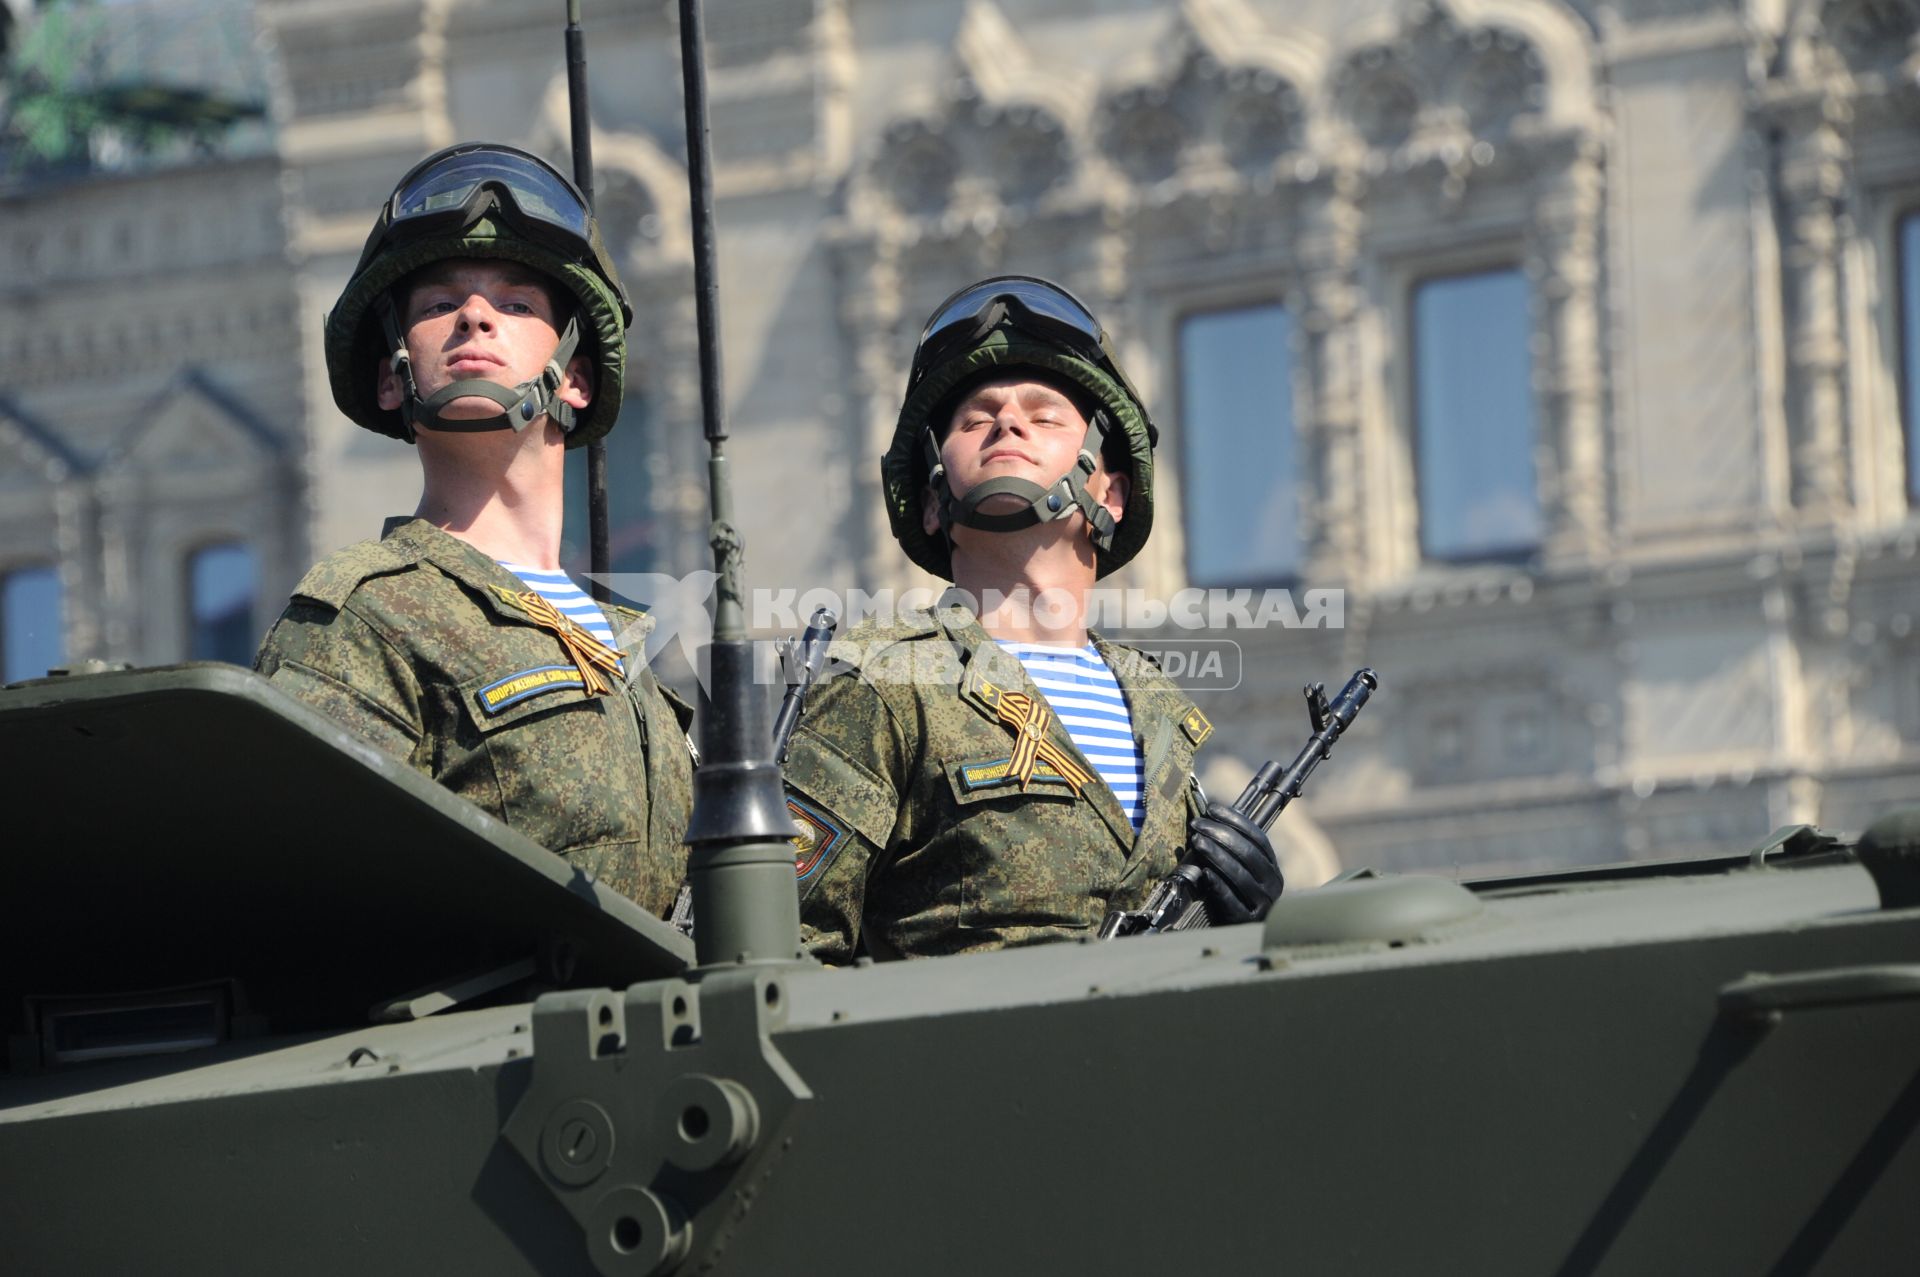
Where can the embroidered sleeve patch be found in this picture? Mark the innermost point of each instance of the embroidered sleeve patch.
(820, 836)
(515, 688)
(1196, 726)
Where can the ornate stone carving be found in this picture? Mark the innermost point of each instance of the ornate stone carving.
(998, 132)
(1377, 94)
(1499, 80)
(1463, 82)
(916, 166)
(1840, 105)
(1202, 109)
(1564, 257)
(1813, 178)
(1872, 35)
(1809, 108)
(1144, 132)
(1261, 117)
(1029, 151)
(1327, 303)
(1867, 51)
(974, 152)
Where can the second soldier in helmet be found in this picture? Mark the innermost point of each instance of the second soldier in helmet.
(485, 324)
(992, 773)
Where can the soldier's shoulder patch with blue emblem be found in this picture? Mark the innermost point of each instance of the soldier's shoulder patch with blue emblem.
(821, 836)
(527, 684)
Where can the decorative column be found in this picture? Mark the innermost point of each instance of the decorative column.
(1564, 263)
(79, 574)
(1813, 175)
(870, 302)
(117, 638)
(1327, 308)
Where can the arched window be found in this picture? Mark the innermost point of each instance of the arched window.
(1473, 415)
(1236, 420)
(222, 583)
(32, 627)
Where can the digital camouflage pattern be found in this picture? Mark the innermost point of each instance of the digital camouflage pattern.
(407, 641)
(916, 839)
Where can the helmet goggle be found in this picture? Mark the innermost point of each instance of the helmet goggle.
(451, 189)
(1034, 306)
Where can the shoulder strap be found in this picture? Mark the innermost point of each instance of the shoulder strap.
(332, 580)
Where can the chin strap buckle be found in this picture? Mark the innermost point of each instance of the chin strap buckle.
(520, 406)
(1044, 505)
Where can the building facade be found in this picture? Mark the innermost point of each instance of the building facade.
(151, 454)
(1572, 342)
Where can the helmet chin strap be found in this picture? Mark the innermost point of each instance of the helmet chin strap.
(520, 406)
(1044, 505)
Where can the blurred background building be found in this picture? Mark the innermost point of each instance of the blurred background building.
(151, 370)
(1577, 342)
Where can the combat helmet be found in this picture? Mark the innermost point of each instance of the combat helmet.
(478, 199)
(1022, 325)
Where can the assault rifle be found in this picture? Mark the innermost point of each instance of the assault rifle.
(804, 660)
(1175, 904)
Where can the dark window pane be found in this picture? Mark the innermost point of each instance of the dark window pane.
(1236, 415)
(1473, 413)
(33, 637)
(1910, 344)
(222, 581)
(632, 535)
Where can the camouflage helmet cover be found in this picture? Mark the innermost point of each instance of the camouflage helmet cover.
(356, 347)
(904, 472)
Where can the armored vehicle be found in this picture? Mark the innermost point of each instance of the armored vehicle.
(275, 1003)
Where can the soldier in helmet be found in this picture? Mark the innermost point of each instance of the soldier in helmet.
(993, 773)
(485, 325)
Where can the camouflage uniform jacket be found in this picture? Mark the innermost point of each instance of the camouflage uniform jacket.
(916, 841)
(406, 641)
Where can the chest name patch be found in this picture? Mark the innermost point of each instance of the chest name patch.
(998, 772)
(515, 688)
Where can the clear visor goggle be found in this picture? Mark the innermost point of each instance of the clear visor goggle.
(1035, 306)
(460, 184)
(451, 189)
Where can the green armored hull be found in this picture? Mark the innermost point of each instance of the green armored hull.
(276, 1004)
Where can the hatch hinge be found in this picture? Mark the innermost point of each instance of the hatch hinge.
(654, 1113)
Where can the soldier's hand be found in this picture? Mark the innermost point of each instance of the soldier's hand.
(1239, 877)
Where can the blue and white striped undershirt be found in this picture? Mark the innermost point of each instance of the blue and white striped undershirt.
(1090, 705)
(568, 599)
